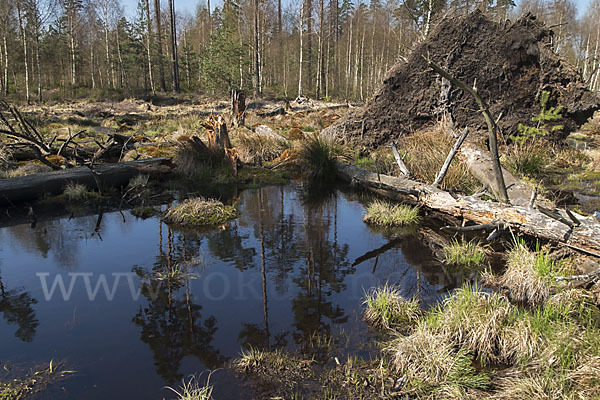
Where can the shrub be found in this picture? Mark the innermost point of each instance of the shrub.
(387, 214)
(199, 212)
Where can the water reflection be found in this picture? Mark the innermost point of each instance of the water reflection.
(292, 266)
(16, 307)
(171, 323)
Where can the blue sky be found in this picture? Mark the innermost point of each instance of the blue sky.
(189, 6)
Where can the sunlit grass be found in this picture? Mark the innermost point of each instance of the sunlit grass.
(465, 254)
(386, 308)
(388, 214)
(193, 389)
(198, 212)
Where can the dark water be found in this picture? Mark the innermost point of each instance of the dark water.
(282, 272)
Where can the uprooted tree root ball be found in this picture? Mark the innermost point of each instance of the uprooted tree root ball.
(512, 64)
(200, 212)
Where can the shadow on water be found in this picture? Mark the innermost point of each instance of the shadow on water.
(295, 264)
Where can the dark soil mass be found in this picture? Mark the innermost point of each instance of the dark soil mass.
(511, 63)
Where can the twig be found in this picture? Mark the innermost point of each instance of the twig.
(401, 164)
(555, 216)
(440, 176)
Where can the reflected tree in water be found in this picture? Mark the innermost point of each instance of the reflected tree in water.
(172, 324)
(17, 308)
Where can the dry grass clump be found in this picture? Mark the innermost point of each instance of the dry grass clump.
(529, 275)
(527, 160)
(586, 377)
(256, 148)
(432, 364)
(384, 213)
(386, 308)
(198, 212)
(193, 162)
(427, 151)
(24, 170)
(477, 321)
(465, 254)
(78, 192)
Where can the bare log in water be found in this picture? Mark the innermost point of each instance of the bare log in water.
(531, 222)
(31, 187)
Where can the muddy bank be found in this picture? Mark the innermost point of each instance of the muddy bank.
(511, 64)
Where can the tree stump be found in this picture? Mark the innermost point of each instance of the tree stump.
(238, 107)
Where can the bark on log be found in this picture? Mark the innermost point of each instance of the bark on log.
(519, 218)
(31, 187)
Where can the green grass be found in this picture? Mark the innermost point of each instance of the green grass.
(200, 212)
(465, 254)
(529, 160)
(77, 192)
(193, 389)
(529, 276)
(318, 160)
(386, 308)
(34, 382)
(387, 214)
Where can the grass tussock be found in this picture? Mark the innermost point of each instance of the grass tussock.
(386, 308)
(193, 389)
(387, 214)
(254, 148)
(426, 152)
(193, 162)
(527, 160)
(200, 212)
(24, 170)
(465, 254)
(317, 160)
(433, 367)
(78, 192)
(529, 276)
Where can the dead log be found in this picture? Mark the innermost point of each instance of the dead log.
(272, 113)
(269, 133)
(520, 219)
(31, 187)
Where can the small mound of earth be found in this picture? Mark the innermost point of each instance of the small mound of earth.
(511, 63)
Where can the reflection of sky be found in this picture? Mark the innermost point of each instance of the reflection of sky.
(101, 340)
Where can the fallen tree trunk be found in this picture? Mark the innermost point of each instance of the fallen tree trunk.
(31, 187)
(480, 164)
(585, 237)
